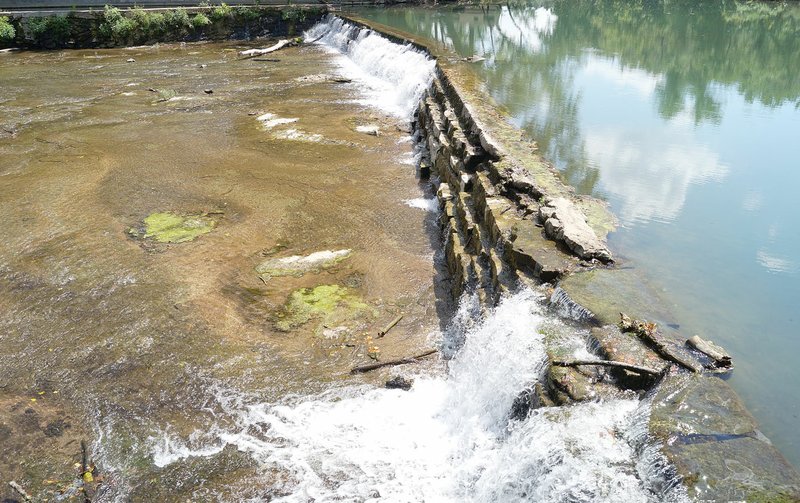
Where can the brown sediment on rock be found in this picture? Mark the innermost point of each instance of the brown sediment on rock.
(508, 220)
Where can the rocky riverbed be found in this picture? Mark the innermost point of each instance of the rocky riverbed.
(161, 242)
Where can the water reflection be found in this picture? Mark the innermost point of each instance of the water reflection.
(684, 116)
(676, 54)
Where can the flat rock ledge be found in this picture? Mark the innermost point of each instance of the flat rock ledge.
(566, 223)
(509, 222)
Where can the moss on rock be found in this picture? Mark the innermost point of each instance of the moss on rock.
(172, 228)
(333, 304)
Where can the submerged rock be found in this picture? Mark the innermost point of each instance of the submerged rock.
(399, 382)
(714, 444)
(169, 227)
(298, 265)
(333, 304)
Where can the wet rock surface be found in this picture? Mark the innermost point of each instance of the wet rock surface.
(714, 443)
(615, 345)
(606, 293)
(298, 265)
(399, 382)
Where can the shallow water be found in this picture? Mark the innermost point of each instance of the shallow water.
(685, 118)
(112, 338)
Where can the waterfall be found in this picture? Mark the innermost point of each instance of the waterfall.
(392, 77)
(450, 437)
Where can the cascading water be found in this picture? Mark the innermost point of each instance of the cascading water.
(392, 76)
(450, 437)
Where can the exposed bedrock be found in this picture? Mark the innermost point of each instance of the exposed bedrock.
(564, 222)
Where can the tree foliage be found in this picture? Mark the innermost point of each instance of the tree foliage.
(7, 31)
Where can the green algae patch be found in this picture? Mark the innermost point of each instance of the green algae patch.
(332, 304)
(171, 228)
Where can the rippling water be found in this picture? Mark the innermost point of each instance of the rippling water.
(684, 116)
(449, 438)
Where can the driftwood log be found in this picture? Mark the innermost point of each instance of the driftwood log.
(389, 363)
(608, 363)
(720, 357)
(260, 52)
(648, 332)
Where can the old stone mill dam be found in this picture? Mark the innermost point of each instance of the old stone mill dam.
(539, 251)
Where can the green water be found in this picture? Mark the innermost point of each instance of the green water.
(685, 117)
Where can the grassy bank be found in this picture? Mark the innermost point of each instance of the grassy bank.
(113, 27)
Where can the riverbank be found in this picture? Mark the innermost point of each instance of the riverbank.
(114, 27)
(498, 194)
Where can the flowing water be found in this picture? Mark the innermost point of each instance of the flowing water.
(449, 438)
(208, 369)
(684, 117)
(113, 337)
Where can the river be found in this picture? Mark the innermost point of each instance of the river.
(197, 249)
(684, 117)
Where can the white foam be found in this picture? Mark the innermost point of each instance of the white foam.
(373, 130)
(298, 135)
(391, 76)
(449, 438)
(269, 120)
(423, 204)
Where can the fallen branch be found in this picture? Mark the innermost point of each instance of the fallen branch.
(22, 492)
(260, 52)
(607, 363)
(664, 350)
(720, 356)
(390, 363)
(390, 326)
(648, 332)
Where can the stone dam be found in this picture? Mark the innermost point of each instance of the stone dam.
(561, 377)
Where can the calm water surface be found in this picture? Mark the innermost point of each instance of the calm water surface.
(684, 117)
